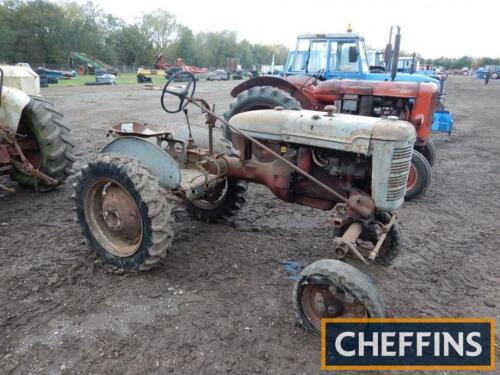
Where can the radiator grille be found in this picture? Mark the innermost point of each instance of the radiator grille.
(401, 159)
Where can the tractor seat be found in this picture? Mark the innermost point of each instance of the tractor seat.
(136, 129)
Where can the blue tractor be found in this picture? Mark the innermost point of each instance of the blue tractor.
(343, 56)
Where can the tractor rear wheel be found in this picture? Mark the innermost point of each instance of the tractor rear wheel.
(259, 97)
(46, 143)
(122, 211)
(419, 177)
(221, 203)
(429, 151)
(333, 289)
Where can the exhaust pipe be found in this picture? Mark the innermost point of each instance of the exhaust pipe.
(388, 52)
(395, 55)
(413, 65)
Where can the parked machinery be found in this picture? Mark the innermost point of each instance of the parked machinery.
(35, 145)
(354, 166)
(329, 69)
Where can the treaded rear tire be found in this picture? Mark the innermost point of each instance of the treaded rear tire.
(149, 197)
(233, 201)
(41, 119)
(345, 277)
(259, 97)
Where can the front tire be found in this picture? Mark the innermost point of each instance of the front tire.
(429, 151)
(122, 211)
(259, 97)
(333, 289)
(53, 152)
(419, 177)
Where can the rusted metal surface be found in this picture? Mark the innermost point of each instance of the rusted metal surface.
(113, 217)
(8, 136)
(305, 99)
(385, 230)
(324, 301)
(317, 96)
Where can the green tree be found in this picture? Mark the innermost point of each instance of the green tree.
(159, 26)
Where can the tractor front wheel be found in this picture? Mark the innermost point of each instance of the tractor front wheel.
(333, 289)
(419, 177)
(259, 97)
(219, 204)
(122, 211)
(429, 151)
(46, 143)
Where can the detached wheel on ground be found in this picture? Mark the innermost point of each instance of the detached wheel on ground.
(419, 177)
(122, 211)
(46, 143)
(333, 289)
(429, 151)
(259, 97)
(224, 201)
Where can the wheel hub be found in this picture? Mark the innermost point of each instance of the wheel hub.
(120, 212)
(412, 178)
(113, 218)
(321, 301)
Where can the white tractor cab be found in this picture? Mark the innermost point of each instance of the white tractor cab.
(35, 146)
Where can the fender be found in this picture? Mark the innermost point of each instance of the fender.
(12, 106)
(279, 83)
(161, 164)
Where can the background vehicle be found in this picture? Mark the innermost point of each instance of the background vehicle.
(218, 75)
(35, 144)
(329, 69)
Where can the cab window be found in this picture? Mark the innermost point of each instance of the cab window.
(317, 56)
(348, 60)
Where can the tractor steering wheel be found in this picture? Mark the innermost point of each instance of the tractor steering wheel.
(183, 92)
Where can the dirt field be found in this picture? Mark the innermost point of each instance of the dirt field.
(221, 301)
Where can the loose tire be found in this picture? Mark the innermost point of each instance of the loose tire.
(122, 211)
(259, 97)
(53, 155)
(429, 151)
(420, 176)
(330, 288)
(221, 204)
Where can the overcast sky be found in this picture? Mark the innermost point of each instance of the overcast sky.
(433, 28)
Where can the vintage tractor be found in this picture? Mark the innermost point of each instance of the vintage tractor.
(330, 69)
(35, 145)
(354, 166)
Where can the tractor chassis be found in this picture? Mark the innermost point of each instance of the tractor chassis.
(10, 147)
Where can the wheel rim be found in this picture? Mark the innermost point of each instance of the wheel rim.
(113, 217)
(321, 301)
(412, 178)
(214, 197)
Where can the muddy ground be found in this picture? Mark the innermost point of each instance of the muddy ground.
(221, 300)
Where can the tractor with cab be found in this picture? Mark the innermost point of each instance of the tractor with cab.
(332, 69)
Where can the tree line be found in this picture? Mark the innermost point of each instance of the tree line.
(465, 61)
(42, 32)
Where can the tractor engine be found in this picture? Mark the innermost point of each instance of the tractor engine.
(350, 154)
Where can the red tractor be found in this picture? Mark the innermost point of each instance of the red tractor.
(411, 101)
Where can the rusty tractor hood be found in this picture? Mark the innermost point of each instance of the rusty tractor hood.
(395, 89)
(318, 129)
